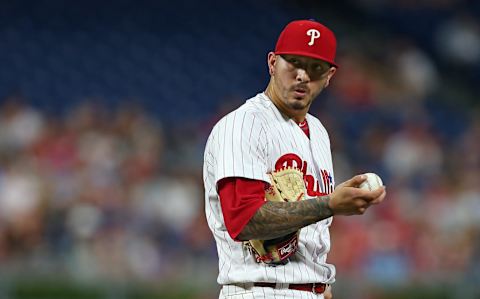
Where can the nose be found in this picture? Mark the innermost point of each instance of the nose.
(302, 75)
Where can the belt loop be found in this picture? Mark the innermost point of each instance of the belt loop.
(313, 289)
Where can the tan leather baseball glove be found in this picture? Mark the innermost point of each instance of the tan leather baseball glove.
(286, 185)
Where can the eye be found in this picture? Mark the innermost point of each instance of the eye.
(319, 68)
(294, 61)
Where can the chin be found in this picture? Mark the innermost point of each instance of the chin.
(298, 105)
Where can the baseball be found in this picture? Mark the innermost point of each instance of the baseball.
(372, 182)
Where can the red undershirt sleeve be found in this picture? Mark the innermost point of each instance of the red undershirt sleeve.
(240, 199)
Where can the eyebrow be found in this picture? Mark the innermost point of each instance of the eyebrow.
(319, 62)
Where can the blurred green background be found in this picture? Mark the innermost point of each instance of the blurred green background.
(105, 109)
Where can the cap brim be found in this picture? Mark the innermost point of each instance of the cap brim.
(307, 54)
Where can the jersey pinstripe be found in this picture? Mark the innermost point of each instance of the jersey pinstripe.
(250, 142)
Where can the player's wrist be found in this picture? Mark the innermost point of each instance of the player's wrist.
(324, 208)
(328, 200)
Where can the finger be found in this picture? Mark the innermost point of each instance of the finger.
(328, 292)
(379, 199)
(355, 181)
(374, 194)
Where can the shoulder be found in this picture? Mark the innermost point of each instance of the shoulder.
(252, 113)
(316, 124)
(314, 121)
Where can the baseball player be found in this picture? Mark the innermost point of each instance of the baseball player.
(278, 249)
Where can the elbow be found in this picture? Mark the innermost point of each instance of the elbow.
(242, 236)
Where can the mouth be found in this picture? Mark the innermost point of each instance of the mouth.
(300, 92)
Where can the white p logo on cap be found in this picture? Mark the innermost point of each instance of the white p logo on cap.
(313, 33)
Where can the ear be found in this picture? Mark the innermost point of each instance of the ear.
(330, 74)
(271, 60)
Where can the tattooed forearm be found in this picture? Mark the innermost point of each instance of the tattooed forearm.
(276, 219)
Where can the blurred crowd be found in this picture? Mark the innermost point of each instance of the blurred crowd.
(93, 194)
(427, 150)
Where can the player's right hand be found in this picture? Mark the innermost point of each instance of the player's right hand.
(348, 199)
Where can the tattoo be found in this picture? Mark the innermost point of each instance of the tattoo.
(276, 219)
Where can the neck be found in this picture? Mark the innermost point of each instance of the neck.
(276, 99)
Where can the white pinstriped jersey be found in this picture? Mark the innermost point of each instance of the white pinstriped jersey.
(250, 142)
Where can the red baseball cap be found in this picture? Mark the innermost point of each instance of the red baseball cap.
(307, 38)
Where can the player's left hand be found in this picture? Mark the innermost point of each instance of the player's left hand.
(328, 293)
(348, 199)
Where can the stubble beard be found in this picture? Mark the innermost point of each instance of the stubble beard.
(298, 105)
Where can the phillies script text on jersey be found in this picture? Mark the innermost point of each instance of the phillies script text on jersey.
(312, 185)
